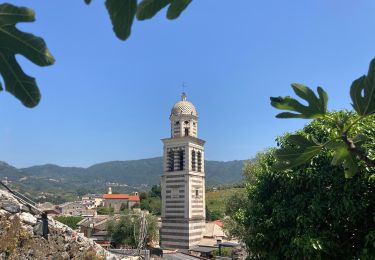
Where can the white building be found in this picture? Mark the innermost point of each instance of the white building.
(183, 180)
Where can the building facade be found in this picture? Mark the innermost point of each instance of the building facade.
(183, 180)
(120, 201)
(92, 200)
(73, 208)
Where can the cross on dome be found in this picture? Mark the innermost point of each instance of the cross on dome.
(183, 96)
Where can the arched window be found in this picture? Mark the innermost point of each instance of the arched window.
(170, 161)
(186, 131)
(193, 161)
(181, 159)
(199, 159)
(176, 129)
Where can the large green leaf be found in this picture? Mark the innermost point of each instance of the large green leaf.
(317, 106)
(176, 7)
(343, 156)
(148, 8)
(362, 92)
(301, 151)
(350, 166)
(14, 41)
(122, 13)
(340, 150)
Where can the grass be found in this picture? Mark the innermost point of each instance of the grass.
(70, 221)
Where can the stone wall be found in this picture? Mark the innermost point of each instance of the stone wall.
(18, 241)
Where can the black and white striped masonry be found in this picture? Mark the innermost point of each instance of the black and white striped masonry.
(183, 180)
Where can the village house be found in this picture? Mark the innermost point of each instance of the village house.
(120, 201)
(213, 232)
(214, 237)
(73, 208)
(96, 228)
(49, 208)
(92, 200)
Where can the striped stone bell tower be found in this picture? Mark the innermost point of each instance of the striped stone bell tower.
(183, 180)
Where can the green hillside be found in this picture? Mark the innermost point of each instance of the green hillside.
(216, 200)
(61, 183)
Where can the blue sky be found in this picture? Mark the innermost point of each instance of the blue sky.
(105, 99)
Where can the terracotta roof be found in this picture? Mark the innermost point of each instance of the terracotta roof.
(219, 223)
(213, 229)
(121, 196)
(116, 196)
(134, 198)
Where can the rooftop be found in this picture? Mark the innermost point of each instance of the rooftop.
(121, 196)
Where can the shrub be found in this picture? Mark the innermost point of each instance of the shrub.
(311, 211)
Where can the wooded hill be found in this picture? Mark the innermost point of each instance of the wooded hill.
(124, 176)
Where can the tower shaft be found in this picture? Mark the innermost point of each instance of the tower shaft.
(183, 182)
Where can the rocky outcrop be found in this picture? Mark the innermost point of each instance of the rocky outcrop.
(19, 241)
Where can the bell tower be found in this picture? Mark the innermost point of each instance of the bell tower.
(183, 180)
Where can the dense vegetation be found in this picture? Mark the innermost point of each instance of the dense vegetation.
(151, 200)
(346, 144)
(105, 211)
(70, 221)
(216, 201)
(310, 211)
(126, 230)
(225, 251)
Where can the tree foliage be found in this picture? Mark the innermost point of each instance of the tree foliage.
(126, 230)
(235, 214)
(105, 211)
(311, 211)
(151, 201)
(225, 251)
(347, 145)
(124, 207)
(148, 8)
(212, 215)
(13, 41)
(122, 14)
(155, 191)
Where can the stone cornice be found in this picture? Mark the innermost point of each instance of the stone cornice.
(183, 140)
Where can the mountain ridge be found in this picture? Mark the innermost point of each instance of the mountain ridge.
(124, 176)
(114, 161)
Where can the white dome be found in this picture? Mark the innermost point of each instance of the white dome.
(183, 107)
